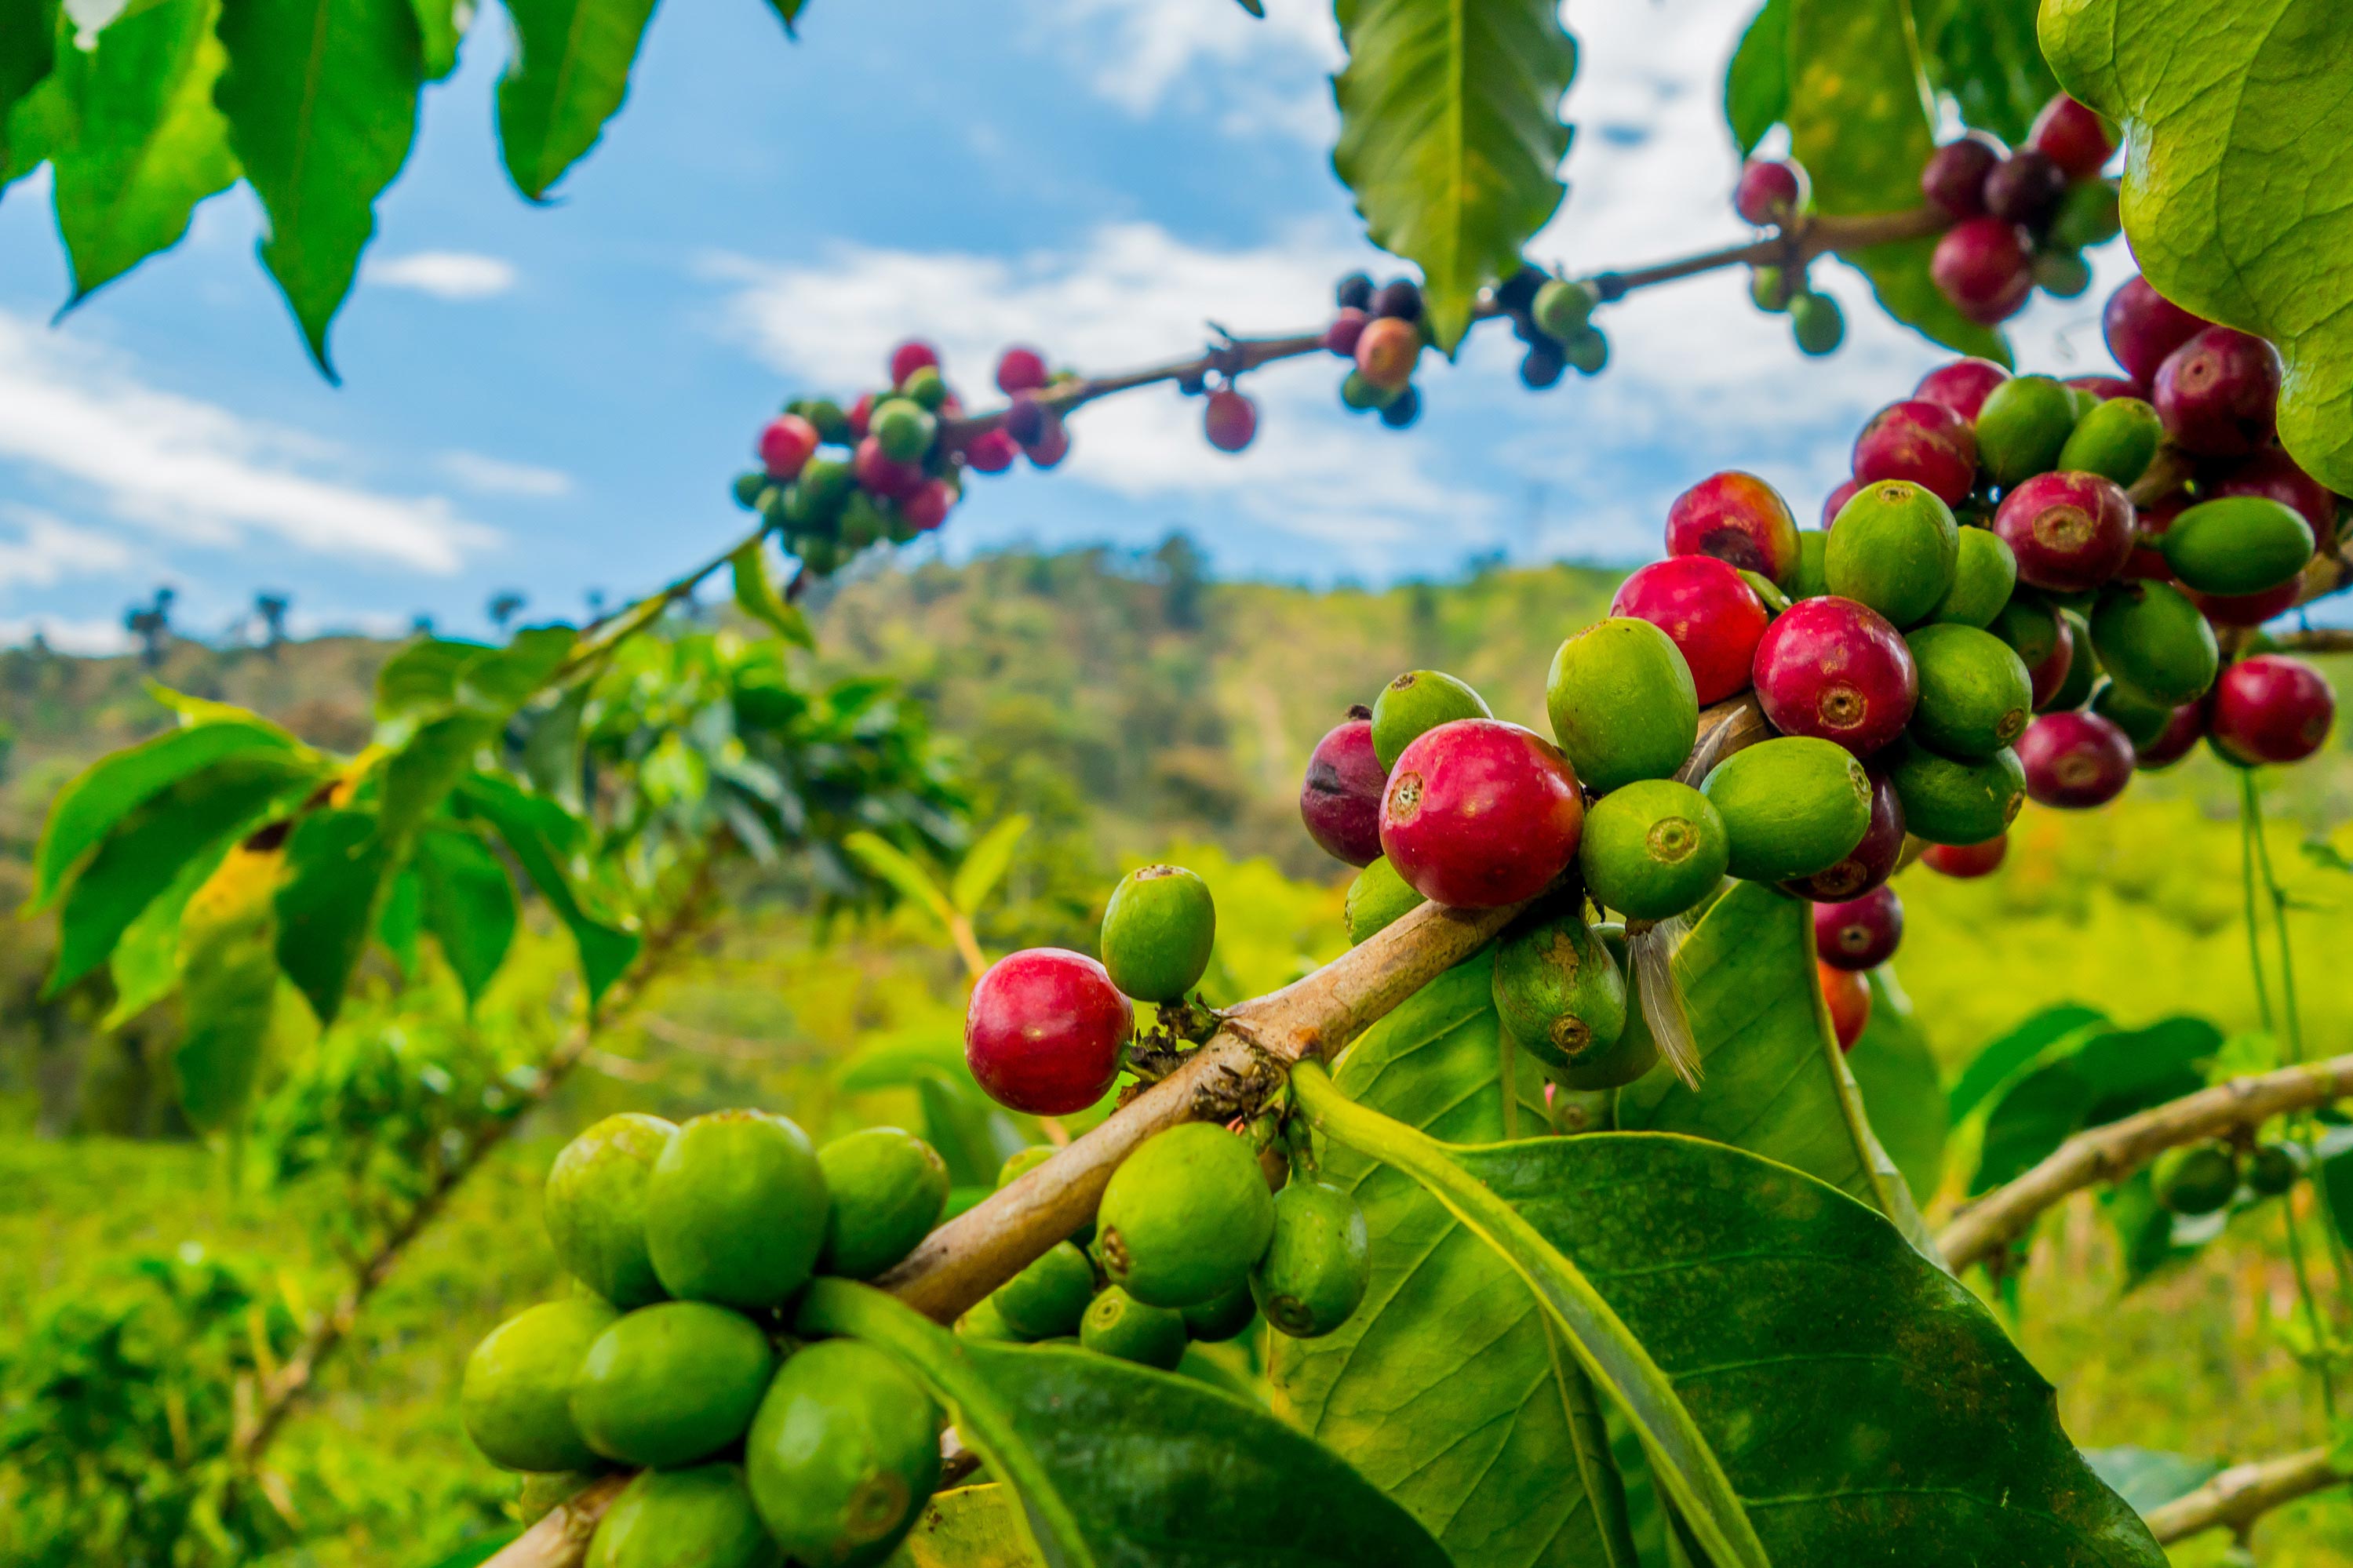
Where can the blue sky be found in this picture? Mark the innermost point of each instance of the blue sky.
(552, 399)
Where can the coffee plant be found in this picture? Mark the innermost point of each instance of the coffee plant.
(1556, 1197)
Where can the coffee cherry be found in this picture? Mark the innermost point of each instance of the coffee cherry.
(1480, 813)
(1341, 801)
(1738, 518)
(1985, 572)
(1046, 1299)
(2141, 719)
(595, 1206)
(879, 474)
(1044, 1030)
(1230, 420)
(2072, 137)
(903, 429)
(1715, 619)
(1417, 703)
(991, 451)
(2271, 709)
(2199, 1181)
(786, 442)
(1587, 352)
(1833, 504)
(1563, 307)
(1961, 386)
(1221, 1318)
(1817, 323)
(2142, 328)
(516, 1399)
(1768, 193)
(1158, 931)
(1399, 299)
(1965, 860)
(1517, 294)
(1052, 444)
(1355, 292)
(1621, 703)
(841, 1459)
(1870, 863)
(1020, 369)
(928, 506)
(1403, 409)
(2237, 545)
(2152, 638)
(1926, 443)
(1833, 669)
(1982, 267)
(1556, 990)
(2105, 387)
(911, 356)
(1318, 1267)
(1770, 288)
(2062, 273)
(2219, 393)
(2245, 609)
(670, 1384)
(1387, 349)
(1120, 1326)
(1950, 801)
(1340, 337)
(2116, 440)
(2023, 428)
(1542, 365)
(1025, 419)
(2271, 473)
(1185, 1217)
(2074, 688)
(1654, 849)
(886, 1188)
(735, 1210)
(1794, 806)
(2273, 1169)
(2069, 531)
(2025, 189)
(2183, 726)
(2047, 676)
(1894, 548)
(2075, 760)
(1847, 998)
(1953, 180)
(1976, 695)
(1862, 934)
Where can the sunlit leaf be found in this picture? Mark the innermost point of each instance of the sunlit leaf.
(756, 597)
(336, 869)
(985, 864)
(889, 863)
(146, 962)
(542, 837)
(229, 978)
(570, 72)
(442, 26)
(28, 35)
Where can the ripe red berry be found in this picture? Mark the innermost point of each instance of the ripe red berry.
(1020, 369)
(1768, 192)
(1840, 495)
(1836, 669)
(1738, 518)
(910, 357)
(2106, 387)
(1480, 813)
(2046, 674)
(2072, 137)
(786, 442)
(1340, 337)
(991, 451)
(2143, 326)
(1387, 349)
(1053, 442)
(2146, 560)
(1983, 267)
(1862, 934)
(861, 414)
(2070, 532)
(1714, 618)
(1961, 386)
(2024, 189)
(1044, 1030)
(2272, 474)
(1230, 420)
(928, 506)
(2246, 609)
(2219, 393)
(1847, 997)
(2075, 760)
(1926, 443)
(1341, 801)
(1869, 863)
(1965, 860)
(2173, 742)
(876, 473)
(2271, 709)
(1953, 180)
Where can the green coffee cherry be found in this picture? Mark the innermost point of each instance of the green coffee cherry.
(902, 428)
(1893, 546)
(748, 487)
(1587, 352)
(984, 1321)
(1947, 801)
(1792, 807)
(843, 1455)
(735, 1210)
(888, 1188)
(2237, 545)
(1817, 322)
(2273, 1169)
(2152, 638)
(1362, 394)
(2116, 440)
(595, 1206)
(1217, 1321)
(516, 1400)
(665, 1518)
(1556, 991)
(832, 424)
(1158, 931)
(1621, 703)
(2062, 273)
(2141, 719)
(2023, 428)
(1020, 1163)
(1119, 1325)
(1316, 1267)
(1654, 849)
(2029, 625)
(1812, 576)
(671, 1384)
(2074, 687)
(2087, 216)
(1185, 1217)
(924, 388)
(1562, 308)
(1376, 899)
(1417, 701)
(1046, 1299)
(2196, 1181)
(1975, 695)
(1769, 289)
(1637, 1050)
(1985, 572)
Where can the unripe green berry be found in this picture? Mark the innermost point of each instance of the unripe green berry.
(1818, 323)
(1318, 1263)
(1158, 931)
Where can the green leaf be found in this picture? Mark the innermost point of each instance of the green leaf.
(1444, 1388)
(320, 97)
(888, 863)
(144, 144)
(2111, 1074)
(544, 838)
(337, 865)
(1773, 1079)
(1107, 1458)
(28, 38)
(1896, 1073)
(788, 12)
(2001, 1058)
(438, 676)
(985, 864)
(228, 984)
(1757, 83)
(570, 72)
(1983, 54)
(146, 962)
(89, 808)
(550, 757)
(420, 773)
(469, 904)
(970, 1527)
(400, 921)
(1451, 136)
(756, 597)
(2237, 207)
(973, 1136)
(442, 26)
(1862, 1405)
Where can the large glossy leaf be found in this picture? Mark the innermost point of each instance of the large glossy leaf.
(320, 97)
(1864, 1405)
(1451, 136)
(143, 142)
(336, 869)
(424, 769)
(970, 1527)
(442, 26)
(1119, 1464)
(2112, 1074)
(570, 72)
(1444, 1388)
(468, 903)
(1896, 1073)
(1773, 1080)
(2238, 204)
(1757, 83)
(1983, 54)
(1859, 122)
(2004, 1056)
(28, 37)
(229, 981)
(544, 839)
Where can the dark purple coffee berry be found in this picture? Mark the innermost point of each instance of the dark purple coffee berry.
(2025, 189)
(1516, 293)
(1542, 365)
(1400, 297)
(1403, 409)
(1954, 178)
(1024, 420)
(1862, 934)
(1355, 292)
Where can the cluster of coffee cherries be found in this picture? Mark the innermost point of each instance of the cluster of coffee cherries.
(1204, 1227)
(1380, 332)
(833, 482)
(1772, 193)
(2207, 1178)
(679, 1356)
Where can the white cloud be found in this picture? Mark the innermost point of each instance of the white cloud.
(455, 275)
(48, 548)
(499, 477)
(1253, 75)
(85, 635)
(195, 472)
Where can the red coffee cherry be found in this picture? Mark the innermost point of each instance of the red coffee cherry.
(2106, 387)
(1953, 180)
(910, 357)
(2070, 532)
(787, 443)
(1965, 860)
(929, 506)
(2219, 393)
(1862, 934)
(1712, 617)
(1840, 495)
(1480, 813)
(1836, 669)
(2072, 137)
(1020, 369)
(880, 476)
(1925, 442)
(1341, 800)
(1230, 420)
(2174, 742)
(1847, 997)
(1961, 386)
(1983, 267)
(2075, 760)
(991, 451)
(1768, 193)
(1044, 1030)
(1735, 518)
(2270, 708)
(2143, 326)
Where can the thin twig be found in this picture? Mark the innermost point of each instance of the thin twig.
(2242, 1494)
